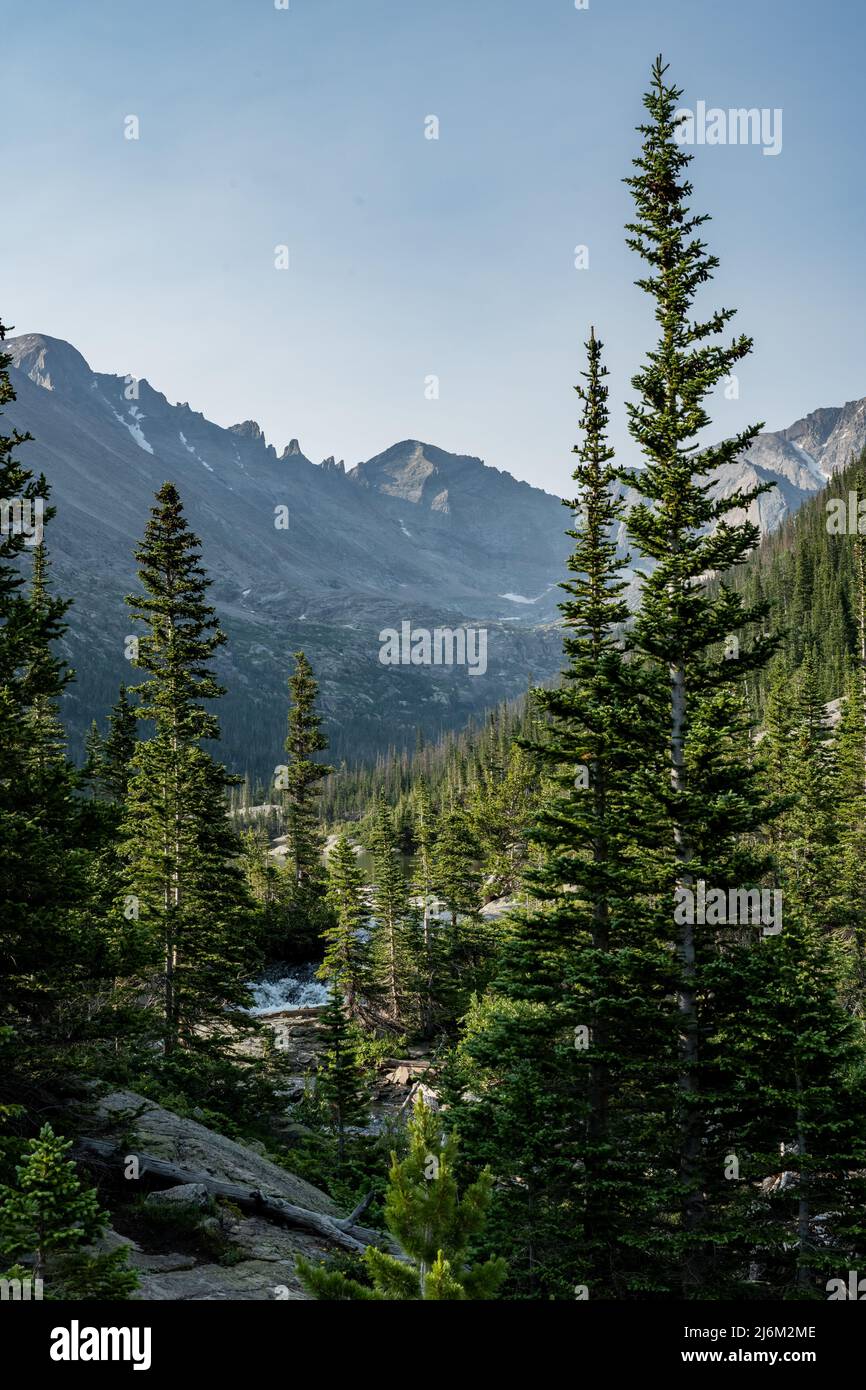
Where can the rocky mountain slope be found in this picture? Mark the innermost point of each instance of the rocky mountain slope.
(322, 556)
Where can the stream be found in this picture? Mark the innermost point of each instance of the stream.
(287, 987)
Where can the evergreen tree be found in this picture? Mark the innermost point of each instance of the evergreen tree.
(108, 760)
(179, 848)
(339, 1079)
(424, 837)
(432, 1223)
(93, 755)
(393, 941)
(263, 881)
(806, 1050)
(456, 870)
(815, 1104)
(463, 952)
(48, 1217)
(118, 749)
(53, 950)
(347, 954)
(431, 958)
(300, 779)
(567, 1055)
(850, 799)
(502, 807)
(45, 676)
(689, 534)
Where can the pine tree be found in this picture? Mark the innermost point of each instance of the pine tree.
(463, 952)
(431, 964)
(108, 759)
(432, 1223)
(48, 1217)
(300, 780)
(456, 869)
(347, 954)
(424, 836)
(52, 948)
(118, 749)
(502, 807)
(850, 797)
(393, 941)
(807, 847)
(93, 755)
(568, 1053)
(807, 1046)
(339, 1079)
(179, 847)
(690, 534)
(816, 1105)
(45, 675)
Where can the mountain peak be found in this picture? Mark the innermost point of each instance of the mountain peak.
(248, 429)
(294, 454)
(51, 363)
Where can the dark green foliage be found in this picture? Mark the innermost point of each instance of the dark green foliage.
(339, 1080)
(456, 872)
(573, 1035)
(812, 579)
(347, 953)
(303, 886)
(118, 748)
(303, 775)
(179, 848)
(434, 1225)
(652, 1104)
(46, 1221)
(395, 936)
(708, 799)
(57, 953)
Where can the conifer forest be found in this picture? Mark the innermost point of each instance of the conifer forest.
(522, 957)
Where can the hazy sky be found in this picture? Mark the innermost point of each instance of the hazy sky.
(411, 257)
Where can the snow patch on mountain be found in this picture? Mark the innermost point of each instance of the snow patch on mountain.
(190, 450)
(135, 428)
(521, 598)
(820, 474)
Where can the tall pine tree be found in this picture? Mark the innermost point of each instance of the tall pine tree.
(299, 779)
(708, 801)
(180, 849)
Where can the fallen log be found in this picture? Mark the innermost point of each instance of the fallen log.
(341, 1231)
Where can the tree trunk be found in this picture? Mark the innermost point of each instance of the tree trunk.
(341, 1231)
(693, 1202)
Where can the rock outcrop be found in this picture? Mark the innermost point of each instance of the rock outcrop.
(263, 1254)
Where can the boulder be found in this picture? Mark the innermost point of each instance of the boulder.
(193, 1194)
(194, 1146)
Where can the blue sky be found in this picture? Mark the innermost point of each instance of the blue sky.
(412, 257)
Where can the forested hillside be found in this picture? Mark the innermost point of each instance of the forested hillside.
(813, 579)
(612, 939)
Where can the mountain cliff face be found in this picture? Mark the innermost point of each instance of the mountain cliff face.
(300, 554)
(321, 556)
